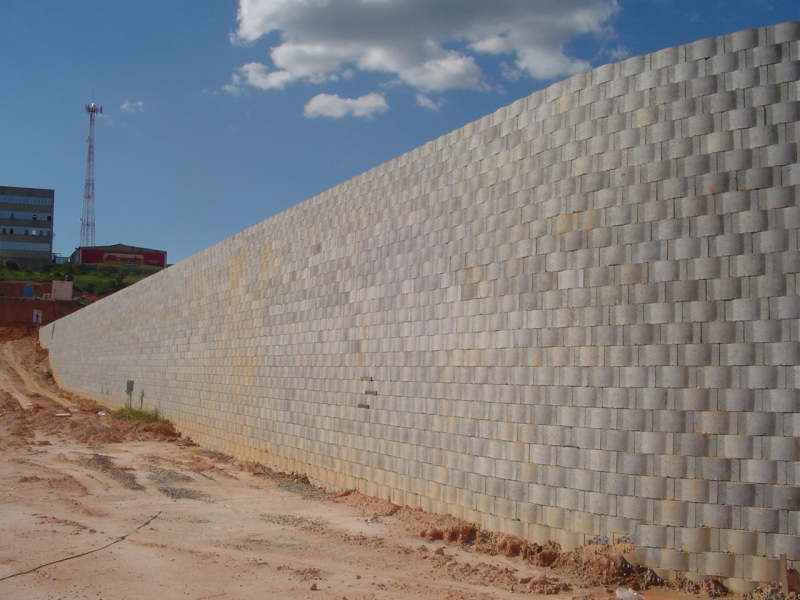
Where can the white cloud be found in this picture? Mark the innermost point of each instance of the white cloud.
(234, 90)
(129, 106)
(619, 53)
(257, 75)
(510, 73)
(331, 105)
(429, 45)
(426, 102)
(496, 44)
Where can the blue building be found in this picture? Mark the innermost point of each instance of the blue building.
(26, 226)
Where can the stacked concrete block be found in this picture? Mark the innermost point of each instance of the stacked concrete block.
(575, 317)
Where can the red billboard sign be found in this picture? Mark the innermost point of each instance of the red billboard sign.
(123, 259)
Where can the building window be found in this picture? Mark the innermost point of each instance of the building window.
(28, 246)
(26, 200)
(49, 217)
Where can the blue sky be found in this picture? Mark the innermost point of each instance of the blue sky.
(219, 114)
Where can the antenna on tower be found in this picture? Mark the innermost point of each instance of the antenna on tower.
(87, 220)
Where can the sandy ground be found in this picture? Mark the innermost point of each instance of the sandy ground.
(96, 507)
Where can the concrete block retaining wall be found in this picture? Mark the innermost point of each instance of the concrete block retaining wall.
(575, 317)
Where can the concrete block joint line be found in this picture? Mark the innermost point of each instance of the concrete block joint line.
(578, 316)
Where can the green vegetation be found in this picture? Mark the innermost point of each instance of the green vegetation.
(103, 284)
(143, 416)
(10, 264)
(85, 278)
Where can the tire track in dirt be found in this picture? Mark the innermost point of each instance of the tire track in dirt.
(9, 382)
(10, 361)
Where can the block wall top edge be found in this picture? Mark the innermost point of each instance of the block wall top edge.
(737, 41)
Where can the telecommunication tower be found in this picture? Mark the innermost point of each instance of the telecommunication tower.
(87, 220)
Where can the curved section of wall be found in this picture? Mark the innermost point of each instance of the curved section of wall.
(577, 316)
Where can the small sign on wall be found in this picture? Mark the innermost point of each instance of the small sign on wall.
(129, 392)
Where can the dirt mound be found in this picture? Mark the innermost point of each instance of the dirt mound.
(86, 424)
(598, 563)
(35, 359)
(468, 535)
(368, 505)
(52, 411)
(601, 563)
(11, 333)
(711, 587)
(774, 591)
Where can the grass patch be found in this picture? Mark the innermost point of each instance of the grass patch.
(95, 284)
(12, 275)
(142, 416)
(85, 278)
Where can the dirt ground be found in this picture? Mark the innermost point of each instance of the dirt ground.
(99, 507)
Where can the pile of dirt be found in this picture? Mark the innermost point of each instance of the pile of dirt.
(85, 421)
(296, 483)
(542, 584)
(86, 424)
(711, 587)
(598, 563)
(468, 535)
(480, 573)
(367, 505)
(12, 333)
(774, 591)
(601, 563)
